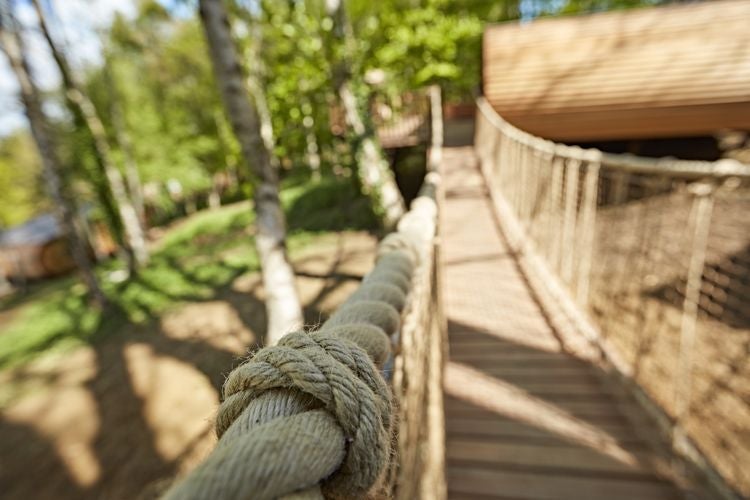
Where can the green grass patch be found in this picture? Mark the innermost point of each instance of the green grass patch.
(331, 204)
(194, 259)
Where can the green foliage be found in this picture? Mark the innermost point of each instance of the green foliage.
(284, 49)
(159, 71)
(332, 204)
(426, 46)
(206, 225)
(21, 187)
(194, 260)
(579, 6)
(172, 112)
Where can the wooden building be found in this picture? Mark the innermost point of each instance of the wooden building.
(674, 71)
(38, 248)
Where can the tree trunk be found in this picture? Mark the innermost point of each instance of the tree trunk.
(133, 178)
(282, 304)
(264, 115)
(374, 172)
(12, 45)
(81, 106)
(255, 82)
(375, 175)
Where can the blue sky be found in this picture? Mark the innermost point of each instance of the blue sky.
(80, 19)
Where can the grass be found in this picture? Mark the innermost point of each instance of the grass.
(194, 258)
(330, 204)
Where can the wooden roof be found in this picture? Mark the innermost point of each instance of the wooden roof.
(680, 70)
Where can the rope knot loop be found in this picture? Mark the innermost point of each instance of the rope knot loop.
(342, 377)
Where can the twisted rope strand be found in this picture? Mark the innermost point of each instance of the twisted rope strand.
(312, 415)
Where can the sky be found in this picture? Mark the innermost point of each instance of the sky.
(80, 20)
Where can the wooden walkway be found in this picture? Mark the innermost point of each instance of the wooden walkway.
(524, 420)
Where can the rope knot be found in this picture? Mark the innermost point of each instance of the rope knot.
(340, 375)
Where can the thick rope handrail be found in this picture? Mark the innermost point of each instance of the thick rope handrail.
(312, 416)
(687, 169)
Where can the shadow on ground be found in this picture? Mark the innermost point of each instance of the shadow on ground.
(516, 414)
(121, 417)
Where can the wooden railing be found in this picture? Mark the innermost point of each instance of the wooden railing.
(650, 260)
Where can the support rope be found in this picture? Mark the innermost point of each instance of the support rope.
(312, 417)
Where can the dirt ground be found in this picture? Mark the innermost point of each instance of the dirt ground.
(119, 419)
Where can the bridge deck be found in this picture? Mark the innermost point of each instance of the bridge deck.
(524, 419)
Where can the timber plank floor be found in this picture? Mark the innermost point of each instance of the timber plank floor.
(524, 420)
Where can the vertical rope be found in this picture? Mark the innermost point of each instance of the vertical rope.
(532, 204)
(586, 231)
(498, 166)
(620, 181)
(701, 214)
(515, 165)
(505, 145)
(529, 186)
(558, 169)
(567, 267)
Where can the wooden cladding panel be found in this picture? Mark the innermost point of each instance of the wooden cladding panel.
(680, 70)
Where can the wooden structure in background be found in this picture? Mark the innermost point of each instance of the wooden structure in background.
(674, 71)
(38, 248)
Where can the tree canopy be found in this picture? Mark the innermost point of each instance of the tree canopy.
(155, 72)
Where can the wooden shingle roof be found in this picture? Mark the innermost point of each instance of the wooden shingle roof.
(680, 70)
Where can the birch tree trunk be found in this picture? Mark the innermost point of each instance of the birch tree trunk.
(11, 43)
(264, 116)
(375, 175)
(132, 177)
(282, 303)
(255, 82)
(81, 106)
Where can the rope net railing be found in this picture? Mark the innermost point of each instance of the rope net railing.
(657, 255)
(353, 409)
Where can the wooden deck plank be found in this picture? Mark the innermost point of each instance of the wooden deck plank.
(542, 426)
(503, 429)
(563, 458)
(519, 362)
(543, 486)
(539, 373)
(502, 354)
(582, 409)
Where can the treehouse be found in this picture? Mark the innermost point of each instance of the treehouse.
(38, 248)
(621, 79)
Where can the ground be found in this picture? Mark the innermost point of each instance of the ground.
(115, 406)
